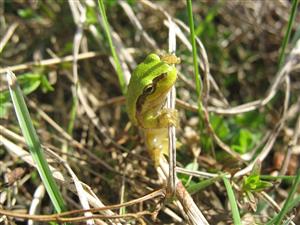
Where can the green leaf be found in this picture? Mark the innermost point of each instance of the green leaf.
(220, 126)
(207, 27)
(4, 109)
(4, 96)
(27, 13)
(45, 85)
(191, 166)
(254, 119)
(110, 3)
(243, 141)
(29, 82)
(254, 183)
(91, 16)
(131, 2)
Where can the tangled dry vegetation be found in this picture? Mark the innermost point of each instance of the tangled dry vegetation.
(250, 124)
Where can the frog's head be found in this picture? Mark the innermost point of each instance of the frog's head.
(159, 76)
(157, 80)
(149, 85)
(160, 84)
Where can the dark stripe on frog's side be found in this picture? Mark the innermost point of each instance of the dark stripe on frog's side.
(142, 98)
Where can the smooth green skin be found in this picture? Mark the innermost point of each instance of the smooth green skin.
(145, 113)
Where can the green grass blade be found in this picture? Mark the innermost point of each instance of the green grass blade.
(33, 143)
(194, 48)
(288, 201)
(195, 62)
(194, 188)
(112, 47)
(288, 32)
(269, 177)
(234, 209)
(294, 203)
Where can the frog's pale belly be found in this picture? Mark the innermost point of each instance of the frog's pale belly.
(157, 143)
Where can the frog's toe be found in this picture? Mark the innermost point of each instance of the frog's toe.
(168, 117)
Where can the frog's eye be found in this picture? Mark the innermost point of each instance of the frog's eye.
(149, 89)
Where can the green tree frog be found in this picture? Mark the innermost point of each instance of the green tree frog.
(147, 90)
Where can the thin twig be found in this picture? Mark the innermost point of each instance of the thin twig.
(36, 202)
(7, 36)
(192, 211)
(171, 130)
(48, 62)
(290, 147)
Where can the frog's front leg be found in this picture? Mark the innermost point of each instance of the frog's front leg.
(163, 119)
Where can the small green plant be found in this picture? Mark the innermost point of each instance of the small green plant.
(253, 182)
